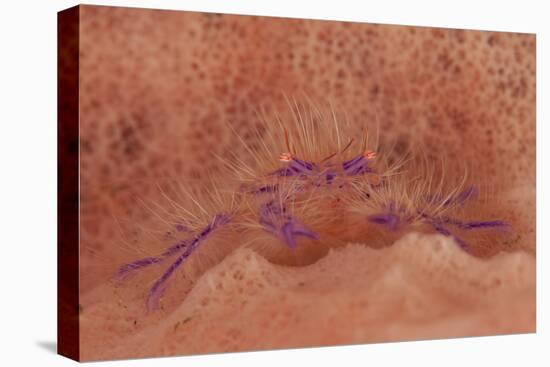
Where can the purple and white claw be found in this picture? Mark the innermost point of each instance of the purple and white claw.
(274, 220)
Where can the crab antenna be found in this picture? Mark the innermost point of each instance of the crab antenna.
(327, 158)
(342, 151)
(348, 145)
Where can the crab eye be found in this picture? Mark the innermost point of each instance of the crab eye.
(369, 154)
(285, 157)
